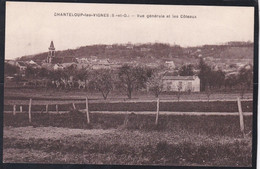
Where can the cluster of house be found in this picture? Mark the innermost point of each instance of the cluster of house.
(22, 65)
(171, 82)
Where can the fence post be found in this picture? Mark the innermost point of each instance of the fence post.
(87, 112)
(157, 114)
(47, 107)
(241, 118)
(74, 107)
(30, 111)
(21, 109)
(14, 110)
(57, 109)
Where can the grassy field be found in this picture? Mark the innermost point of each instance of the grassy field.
(184, 106)
(128, 139)
(179, 140)
(21, 94)
(225, 102)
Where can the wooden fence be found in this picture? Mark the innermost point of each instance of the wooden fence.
(85, 107)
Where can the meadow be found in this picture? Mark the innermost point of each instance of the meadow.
(128, 139)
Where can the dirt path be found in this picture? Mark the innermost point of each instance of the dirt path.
(49, 132)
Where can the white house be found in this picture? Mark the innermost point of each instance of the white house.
(82, 60)
(22, 66)
(182, 83)
(170, 64)
(58, 67)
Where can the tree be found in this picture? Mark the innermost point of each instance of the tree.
(67, 76)
(11, 69)
(204, 74)
(245, 78)
(55, 77)
(18, 78)
(131, 78)
(43, 72)
(103, 81)
(186, 70)
(219, 78)
(155, 82)
(230, 81)
(83, 75)
(30, 72)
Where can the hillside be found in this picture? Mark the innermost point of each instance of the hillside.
(158, 52)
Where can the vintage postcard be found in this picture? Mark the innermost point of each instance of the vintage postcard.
(128, 84)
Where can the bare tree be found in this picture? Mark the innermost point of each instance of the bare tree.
(103, 81)
(131, 78)
(83, 75)
(155, 82)
(245, 79)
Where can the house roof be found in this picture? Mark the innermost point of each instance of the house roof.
(32, 62)
(21, 63)
(179, 77)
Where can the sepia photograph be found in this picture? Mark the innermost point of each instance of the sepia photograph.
(128, 84)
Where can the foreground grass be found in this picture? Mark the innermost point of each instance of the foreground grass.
(128, 139)
(207, 125)
(130, 147)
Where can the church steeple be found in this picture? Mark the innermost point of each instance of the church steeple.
(51, 46)
(51, 53)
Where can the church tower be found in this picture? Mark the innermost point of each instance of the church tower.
(51, 53)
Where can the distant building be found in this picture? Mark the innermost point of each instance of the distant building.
(83, 66)
(102, 64)
(33, 64)
(58, 67)
(51, 53)
(82, 60)
(182, 83)
(109, 47)
(145, 49)
(170, 64)
(129, 46)
(152, 65)
(22, 66)
(11, 62)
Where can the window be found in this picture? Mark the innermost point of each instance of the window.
(179, 87)
(189, 87)
(168, 84)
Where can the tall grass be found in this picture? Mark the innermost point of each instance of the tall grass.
(208, 125)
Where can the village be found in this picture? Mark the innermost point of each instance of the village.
(160, 76)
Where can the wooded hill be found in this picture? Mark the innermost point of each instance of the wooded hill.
(156, 52)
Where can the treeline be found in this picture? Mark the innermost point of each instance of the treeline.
(132, 78)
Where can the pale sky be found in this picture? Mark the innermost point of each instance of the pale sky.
(30, 26)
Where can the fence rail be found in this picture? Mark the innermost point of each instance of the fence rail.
(184, 106)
